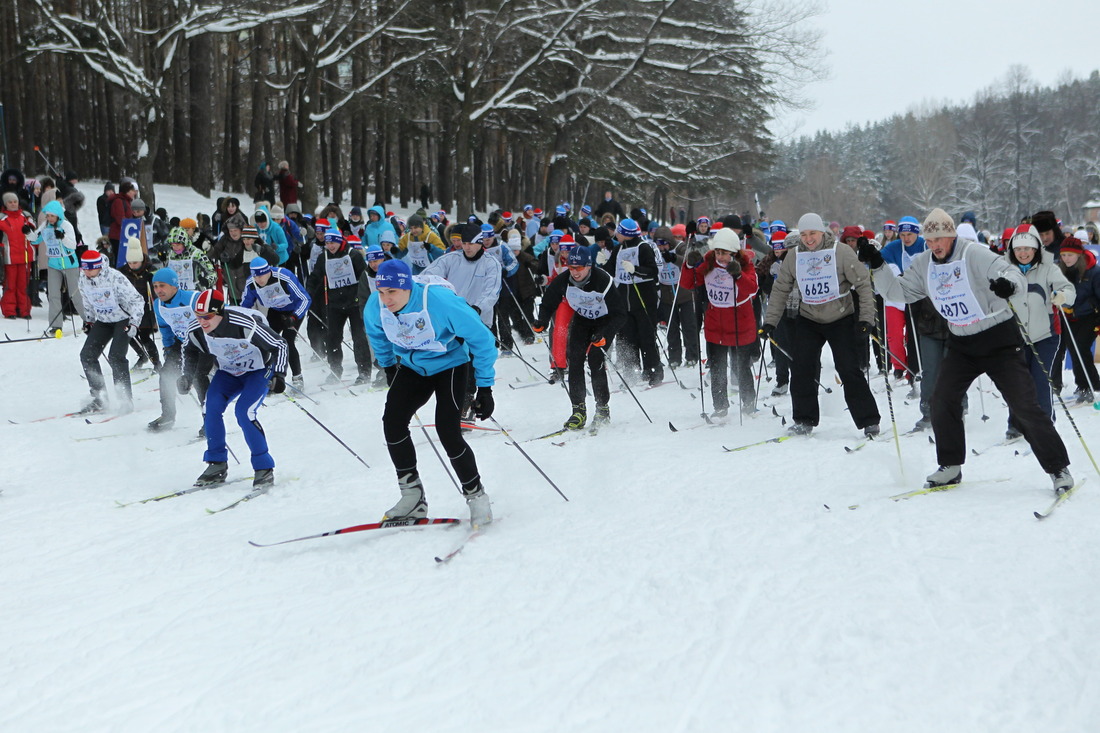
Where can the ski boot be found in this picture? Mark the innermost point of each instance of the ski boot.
(214, 474)
(780, 389)
(299, 382)
(720, 413)
(379, 380)
(1063, 482)
(263, 477)
(943, 476)
(363, 378)
(871, 431)
(923, 424)
(603, 416)
(557, 374)
(656, 378)
(412, 504)
(480, 513)
(578, 419)
(333, 378)
(96, 406)
(1012, 434)
(800, 428)
(161, 423)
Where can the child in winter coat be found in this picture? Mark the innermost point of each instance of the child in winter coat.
(57, 238)
(140, 274)
(727, 276)
(188, 261)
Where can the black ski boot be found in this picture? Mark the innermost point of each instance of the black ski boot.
(263, 477)
(214, 474)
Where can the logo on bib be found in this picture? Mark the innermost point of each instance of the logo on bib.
(420, 324)
(828, 259)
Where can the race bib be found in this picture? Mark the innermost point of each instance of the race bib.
(340, 272)
(272, 295)
(586, 304)
(186, 272)
(817, 277)
(236, 356)
(626, 254)
(720, 288)
(951, 292)
(418, 254)
(412, 331)
(179, 319)
(53, 246)
(668, 273)
(103, 302)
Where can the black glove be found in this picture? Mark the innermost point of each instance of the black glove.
(391, 374)
(59, 232)
(690, 228)
(694, 257)
(863, 328)
(27, 228)
(538, 326)
(669, 256)
(766, 331)
(476, 309)
(278, 384)
(1002, 288)
(746, 230)
(734, 267)
(183, 384)
(868, 255)
(289, 333)
(598, 340)
(483, 403)
(87, 327)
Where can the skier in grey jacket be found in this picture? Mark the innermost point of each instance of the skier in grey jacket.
(970, 286)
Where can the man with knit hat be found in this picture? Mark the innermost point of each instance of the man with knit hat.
(419, 246)
(1046, 223)
(427, 338)
(174, 310)
(278, 290)
(112, 312)
(898, 254)
(824, 275)
(633, 264)
(969, 285)
(334, 283)
(251, 359)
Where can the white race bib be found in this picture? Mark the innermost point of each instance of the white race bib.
(950, 290)
(186, 272)
(626, 254)
(817, 278)
(179, 318)
(720, 288)
(236, 356)
(53, 246)
(668, 273)
(587, 304)
(418, 253)
(272, 295)
(412, 331)
(340, 272)
(103, 300)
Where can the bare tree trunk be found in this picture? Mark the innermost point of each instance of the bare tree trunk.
(201, 103)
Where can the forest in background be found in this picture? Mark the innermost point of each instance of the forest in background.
(1017, 148)
(486, 102)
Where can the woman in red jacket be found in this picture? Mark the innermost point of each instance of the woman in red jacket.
(17, 257)
(727, 275)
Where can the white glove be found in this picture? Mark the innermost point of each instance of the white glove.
(602, 257)
(1058, 299)
(628, 266)
(131, 331)
(207, 245)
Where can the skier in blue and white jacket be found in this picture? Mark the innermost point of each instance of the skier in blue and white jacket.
(287, 303)
(174, 310)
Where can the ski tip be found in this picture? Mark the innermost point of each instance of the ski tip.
(256, 544)
(827, 507)
(853, 506)
(672, 427)
(1038, 515)
(439, 560)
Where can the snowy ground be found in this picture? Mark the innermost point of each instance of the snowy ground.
(681, 588)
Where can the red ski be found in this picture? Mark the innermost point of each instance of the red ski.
(385, 524)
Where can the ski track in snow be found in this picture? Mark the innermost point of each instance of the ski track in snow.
(681, 588)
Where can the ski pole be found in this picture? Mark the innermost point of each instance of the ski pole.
(702, 395)
(607, 359)
(303, 394)
(828, 390)
(202, 411)
(916, 339)
(890, 404)
(10, 340)
(325, 428)
(529, 459)
(47, 162)
(525, 362)
(1077, 352)
(890, 354)
(1046, 373)
(435, 450)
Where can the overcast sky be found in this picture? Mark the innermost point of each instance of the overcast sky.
(887, 57)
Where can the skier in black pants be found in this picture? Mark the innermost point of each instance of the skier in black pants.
(969, 284)
(633, 264)
(597, 315)
(426, 338)
(335, 282)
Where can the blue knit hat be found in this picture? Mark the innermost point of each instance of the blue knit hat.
(375, 252)
(628, 228)
(168, 276)
(394, 274)
(259, 266)
(909, 224)
(580, 257)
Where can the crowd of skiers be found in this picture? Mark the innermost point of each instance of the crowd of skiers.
(937, 303)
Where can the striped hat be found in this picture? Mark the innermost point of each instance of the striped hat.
(91, 260)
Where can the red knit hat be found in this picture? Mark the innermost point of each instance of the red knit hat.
(1072, 244)
(854, 232)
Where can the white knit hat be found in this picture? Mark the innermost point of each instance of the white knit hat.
(938, 224)
(726, 239)
(811, 222)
